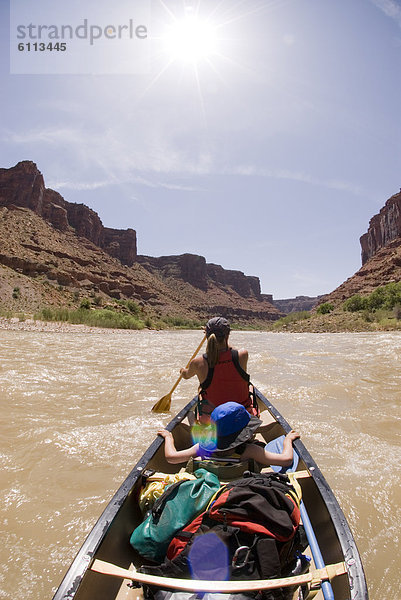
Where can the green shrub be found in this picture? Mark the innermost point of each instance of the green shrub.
(16, 293)
(111, 319)
(131, 305)
(85, 303)
(97, 301)
(46, 314)
(93, 318)
(179, 322)
(397, 311)
(355, 303)
(382, 314)
(385, 297)
(292, 318)
(61, 314)
(377, 298)
(393, 295)
(325, 308)
(368, 315)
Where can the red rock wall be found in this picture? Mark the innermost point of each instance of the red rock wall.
(243, 284)
(23, 185)
(121, 244)
(383, 228)
(191, 268)
(195, 270)
(298, 304)
(214, 290)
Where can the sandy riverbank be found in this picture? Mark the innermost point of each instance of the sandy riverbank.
(15, 324)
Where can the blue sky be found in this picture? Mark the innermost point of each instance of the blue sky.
(270, 155)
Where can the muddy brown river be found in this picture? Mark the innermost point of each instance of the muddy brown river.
(76, 417)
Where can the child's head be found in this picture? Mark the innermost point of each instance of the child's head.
(231, 426)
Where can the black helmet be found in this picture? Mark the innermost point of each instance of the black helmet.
(219, 326)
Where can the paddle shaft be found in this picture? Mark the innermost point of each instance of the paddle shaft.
(163, 405)
(189, 362)
(316, 553)
(327, 590)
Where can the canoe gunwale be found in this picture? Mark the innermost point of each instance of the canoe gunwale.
(352, 559)
(72, 579)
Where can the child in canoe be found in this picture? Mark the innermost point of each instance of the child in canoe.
(230, 434)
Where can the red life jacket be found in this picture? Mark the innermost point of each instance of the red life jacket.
(226, 382)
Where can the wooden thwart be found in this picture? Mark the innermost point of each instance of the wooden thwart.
(299, 474)
(314, 577)
(296, 474)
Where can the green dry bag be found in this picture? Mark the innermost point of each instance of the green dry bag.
(180, 503)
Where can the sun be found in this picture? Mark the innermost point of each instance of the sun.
(191, 39)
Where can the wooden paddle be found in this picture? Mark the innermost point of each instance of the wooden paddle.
(163, 405)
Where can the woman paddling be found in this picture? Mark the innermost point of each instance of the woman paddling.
(230, 433)
(221, 371)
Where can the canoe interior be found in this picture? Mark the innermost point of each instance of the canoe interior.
(110, 539)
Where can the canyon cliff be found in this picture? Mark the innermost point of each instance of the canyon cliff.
(195, 270)
(380, 251)
(298, 304)
(384, 228)
(56, 253)
(23, 185)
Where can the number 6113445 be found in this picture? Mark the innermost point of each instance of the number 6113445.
(42, 47)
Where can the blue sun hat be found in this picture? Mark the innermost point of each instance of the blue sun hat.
(234, 426)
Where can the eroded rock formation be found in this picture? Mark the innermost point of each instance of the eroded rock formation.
(300, 303)
(23, 185)
(383, 228)
(381, 254)
(195, 270)
(57, 253)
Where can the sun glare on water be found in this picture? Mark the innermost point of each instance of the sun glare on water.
(191, 40)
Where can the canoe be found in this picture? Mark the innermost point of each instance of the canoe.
(106, 562)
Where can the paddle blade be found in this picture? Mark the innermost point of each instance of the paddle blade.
(163, 405)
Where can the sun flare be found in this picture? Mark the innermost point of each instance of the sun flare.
(191, 40)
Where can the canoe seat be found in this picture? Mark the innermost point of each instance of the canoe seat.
(226, 469)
